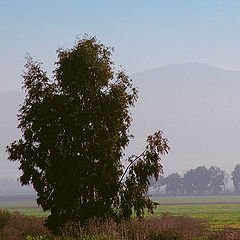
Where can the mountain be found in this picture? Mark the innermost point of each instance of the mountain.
(195, 105)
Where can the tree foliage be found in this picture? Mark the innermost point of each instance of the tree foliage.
(188, 181)
(236, 178)
(174, 184)
(216, 179)
(201, 179)
(75, 128)
(157, 184)
(194, 181)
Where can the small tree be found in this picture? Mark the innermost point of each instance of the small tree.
(236, 178)
(74, 130)
(216, 179)
(188, 181)
(201, 179)
(174, 184)
(157, 184)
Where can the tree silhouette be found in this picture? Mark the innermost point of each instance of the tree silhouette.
(188, 181)
(75, 127)
(216, 179)
(201, 179)
(174, 184)
(236, 178)
(157, 184)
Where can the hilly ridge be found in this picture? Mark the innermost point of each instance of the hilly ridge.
(196, 106)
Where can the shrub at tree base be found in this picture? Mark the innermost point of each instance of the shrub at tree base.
(166, 227)
(16, 226)
(37, 238)
(4, 218)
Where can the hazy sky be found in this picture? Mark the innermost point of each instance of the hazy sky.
(145, 34)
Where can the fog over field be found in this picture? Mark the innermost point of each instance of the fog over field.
(195, 105)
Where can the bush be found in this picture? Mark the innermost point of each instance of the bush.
(166, 235)
(4, 218)
(16, 226)
(226, 234)
(166, 227)
(36, 238)
(19, 227)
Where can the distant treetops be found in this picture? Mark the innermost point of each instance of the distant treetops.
(200, 180)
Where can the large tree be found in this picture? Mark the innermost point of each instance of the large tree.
(75, 128)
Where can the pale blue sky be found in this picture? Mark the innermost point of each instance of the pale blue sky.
(145, 34)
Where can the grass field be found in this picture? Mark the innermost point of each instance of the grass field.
(218, 215)
(197, 199)
(16, 204)
(28, 208)
(36, 212)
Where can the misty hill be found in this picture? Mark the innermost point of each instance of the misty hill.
(197, 107)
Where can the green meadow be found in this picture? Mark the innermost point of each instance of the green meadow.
(28, 208)
(218, 215)
(197, 199)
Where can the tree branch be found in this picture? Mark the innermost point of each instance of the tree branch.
(130, 164)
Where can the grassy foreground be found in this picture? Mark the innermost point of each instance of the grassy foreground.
(15, 226)
(217, 215)
(188, 218)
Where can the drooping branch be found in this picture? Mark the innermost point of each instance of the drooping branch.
(157, 145)
(130, 164)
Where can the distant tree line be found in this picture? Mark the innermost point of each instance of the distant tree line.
(201, 180)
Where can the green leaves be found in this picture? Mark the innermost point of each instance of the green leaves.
(141, 169)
